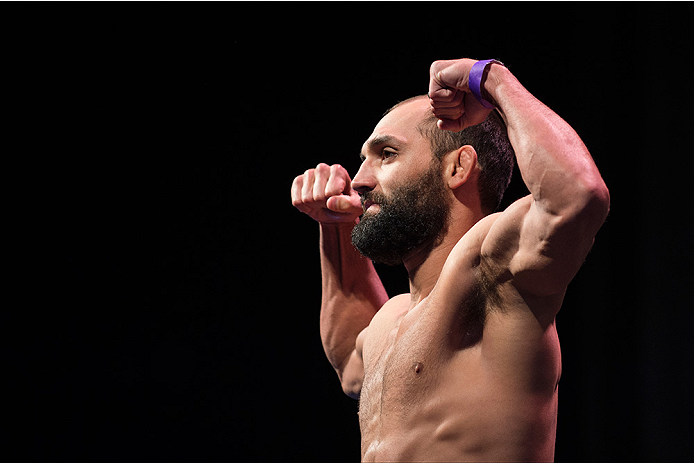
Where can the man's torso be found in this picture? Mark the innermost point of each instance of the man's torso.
(468, 373)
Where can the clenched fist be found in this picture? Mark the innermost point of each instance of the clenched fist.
(326, 195)
(451, 99)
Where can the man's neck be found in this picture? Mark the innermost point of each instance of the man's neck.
(424, 265)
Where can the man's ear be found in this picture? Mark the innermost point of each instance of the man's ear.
(461, 164)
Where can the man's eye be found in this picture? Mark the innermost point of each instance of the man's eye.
(385, 154)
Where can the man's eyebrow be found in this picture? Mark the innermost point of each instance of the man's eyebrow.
(383, 140)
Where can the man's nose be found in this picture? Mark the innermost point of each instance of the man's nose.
(364, 181)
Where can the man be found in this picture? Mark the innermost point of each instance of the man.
(465, 366)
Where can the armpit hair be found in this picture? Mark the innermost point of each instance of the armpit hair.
(483, 299)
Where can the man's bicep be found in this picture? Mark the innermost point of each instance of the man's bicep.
(540, 252)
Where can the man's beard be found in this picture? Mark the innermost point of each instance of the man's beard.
(414, 217)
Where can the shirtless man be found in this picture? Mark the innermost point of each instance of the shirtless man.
(465, 366)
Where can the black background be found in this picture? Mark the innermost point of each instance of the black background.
(185, 320)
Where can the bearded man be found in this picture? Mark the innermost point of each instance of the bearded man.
(465, 367)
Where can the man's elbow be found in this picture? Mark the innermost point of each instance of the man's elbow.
(596, 202)
(351, 387)
(351, 374)
(588, 202)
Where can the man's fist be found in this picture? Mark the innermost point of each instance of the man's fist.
(326, 195)
(451, 99)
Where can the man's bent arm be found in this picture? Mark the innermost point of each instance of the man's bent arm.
(352, 291)
(569, 198)
(540, 241)
(352, 294)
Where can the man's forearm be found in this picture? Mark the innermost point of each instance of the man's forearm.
(555, 164)
(352, 293)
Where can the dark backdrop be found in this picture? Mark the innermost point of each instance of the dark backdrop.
(199, 283)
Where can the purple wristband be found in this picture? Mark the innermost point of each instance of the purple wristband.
(475, 80)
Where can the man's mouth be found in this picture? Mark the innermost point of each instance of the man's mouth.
(368, 203)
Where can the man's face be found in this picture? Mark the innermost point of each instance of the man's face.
(404, 197)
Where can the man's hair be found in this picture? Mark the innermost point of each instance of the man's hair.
(495, 155)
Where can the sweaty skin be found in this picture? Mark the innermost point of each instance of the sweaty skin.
(465, 367)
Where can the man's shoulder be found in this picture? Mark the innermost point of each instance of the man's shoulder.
(492, 237)
(395, 305)
(390, 311)
(469, 248)
(465, 274)
(385, 318)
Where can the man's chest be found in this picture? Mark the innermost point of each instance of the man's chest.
(396, 368)
(403, 339)
(407, 363)
(405, 358)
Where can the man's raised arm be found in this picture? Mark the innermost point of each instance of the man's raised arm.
(541, 240)
(352, 290)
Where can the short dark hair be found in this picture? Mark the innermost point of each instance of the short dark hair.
(495, 154)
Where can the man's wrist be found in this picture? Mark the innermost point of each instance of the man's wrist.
(494, 76)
